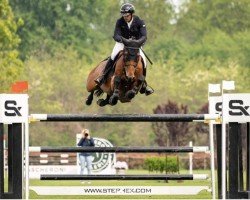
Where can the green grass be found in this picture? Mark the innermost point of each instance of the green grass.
(201, 195)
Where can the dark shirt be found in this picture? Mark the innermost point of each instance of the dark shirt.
(84, 142)
(137, 29)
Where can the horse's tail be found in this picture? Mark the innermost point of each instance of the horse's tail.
(98, 92)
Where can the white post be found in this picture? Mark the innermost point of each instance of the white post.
(212, 88)
(4, 156)
(212, 167)
(23, 163)
(78, 137)
(223, 161)
(190, 159)
(226, 85)
(27, 159)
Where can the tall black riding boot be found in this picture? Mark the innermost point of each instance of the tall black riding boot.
(145, 88)
(101, 79)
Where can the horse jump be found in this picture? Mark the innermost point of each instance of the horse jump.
(18, 121)
(123, 118)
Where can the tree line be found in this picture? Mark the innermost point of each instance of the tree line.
(55, 44)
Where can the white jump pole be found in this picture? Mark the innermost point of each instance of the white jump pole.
(226, 85)
(27, 159)
(211, 138)
(212, 88)
(4, 156)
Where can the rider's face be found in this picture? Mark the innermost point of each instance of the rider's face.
(127, 17)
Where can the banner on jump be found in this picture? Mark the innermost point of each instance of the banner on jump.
(13, 108)
(215, 106)
(236, 108)
(118, 190)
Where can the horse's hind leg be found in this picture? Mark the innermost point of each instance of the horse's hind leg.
(89, 98)
(103, 102)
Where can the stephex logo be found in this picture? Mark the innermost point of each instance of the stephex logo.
(12, 109)
(102, 161)
(237, 108)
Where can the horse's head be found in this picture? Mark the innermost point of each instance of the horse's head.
(131, 55)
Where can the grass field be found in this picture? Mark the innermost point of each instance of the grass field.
(201, 195)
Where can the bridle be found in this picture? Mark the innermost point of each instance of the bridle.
(126, 61)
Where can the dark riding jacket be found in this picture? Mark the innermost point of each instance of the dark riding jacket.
(137, 30)
(85, 142)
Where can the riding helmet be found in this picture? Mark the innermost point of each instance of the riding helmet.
(127, 8)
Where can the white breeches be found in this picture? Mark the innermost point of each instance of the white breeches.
(119, 47)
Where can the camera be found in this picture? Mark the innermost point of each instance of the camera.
(86, 134)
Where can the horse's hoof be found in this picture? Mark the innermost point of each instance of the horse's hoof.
(88, 101)
(101, 102)
(113, 100)
(130, 94)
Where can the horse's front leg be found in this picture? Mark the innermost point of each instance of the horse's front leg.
(103, 102)
(115, 96)
(90, 98)
(136, 87)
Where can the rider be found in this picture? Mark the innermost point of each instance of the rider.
(128, 26)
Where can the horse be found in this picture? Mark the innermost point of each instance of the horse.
(124, 81)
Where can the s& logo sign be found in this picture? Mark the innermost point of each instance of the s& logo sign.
(12, 109)
(237, 108)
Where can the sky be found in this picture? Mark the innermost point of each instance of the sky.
(177, 3)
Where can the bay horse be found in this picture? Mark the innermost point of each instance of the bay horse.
(125, 80)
